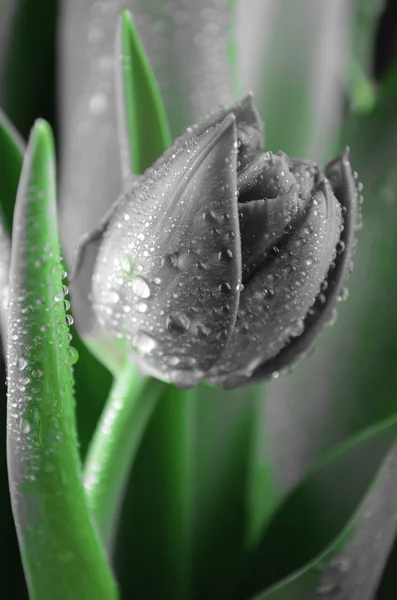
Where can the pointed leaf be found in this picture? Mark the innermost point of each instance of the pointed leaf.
(11, 155)
(356, 571)
(318, 518)
(61, 553)
(144, 132)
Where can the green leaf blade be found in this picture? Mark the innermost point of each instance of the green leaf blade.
(144, 129)
(61, 553)
(314, 528)
(11, 153)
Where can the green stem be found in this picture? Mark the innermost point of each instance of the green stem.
(114, 446)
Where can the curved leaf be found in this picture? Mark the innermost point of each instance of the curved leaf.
(61, 553)
(317, 520)
(11, 155)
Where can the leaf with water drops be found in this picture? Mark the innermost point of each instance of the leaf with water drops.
(61, 553)
(11, 154)
(143, 127)
(313, 532)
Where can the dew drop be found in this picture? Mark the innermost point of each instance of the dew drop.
(73, 355)
(225, 287)
(22, 363)
(177, 323)
(201, 330)
(140, 287)
(225, 254)
(112, 297)
(26, 427)
(144, 343)
(141, 307)
(58, 297)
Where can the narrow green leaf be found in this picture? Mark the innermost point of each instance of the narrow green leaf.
(114, 447)
(144, 132)
(5, 253)
(318, 518)
(61, 553)
(11, 156)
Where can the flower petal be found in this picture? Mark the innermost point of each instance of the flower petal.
(168, 274)
(277, 299)
(344, 186)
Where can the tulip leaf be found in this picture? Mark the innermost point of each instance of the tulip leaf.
(314, 525)
(357, 570)
(115, 445)
(11, 155)
(144, 130)
(61, 552)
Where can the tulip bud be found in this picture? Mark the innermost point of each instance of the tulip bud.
(215, 265)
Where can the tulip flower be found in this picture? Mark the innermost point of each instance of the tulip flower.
(213, 265)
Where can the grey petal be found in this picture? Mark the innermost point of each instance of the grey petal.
(168, 272)
(246, 116)
(81, 276)
(341, 176)
(275, 302)
(262, 223)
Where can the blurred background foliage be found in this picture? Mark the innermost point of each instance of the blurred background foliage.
(324, 75)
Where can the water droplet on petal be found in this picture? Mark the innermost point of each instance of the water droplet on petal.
(144, 343)
(177, 323)
(140, 287)
(112, 297)
(141, 307)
